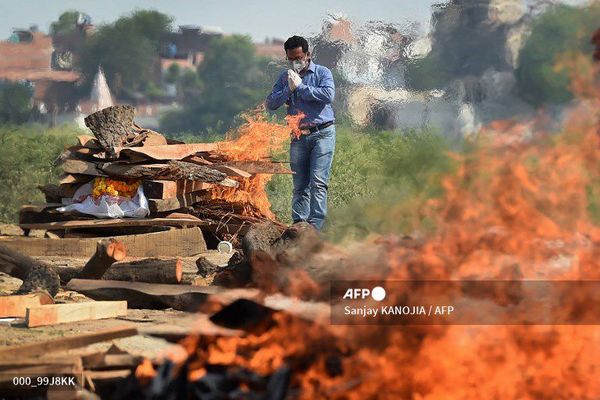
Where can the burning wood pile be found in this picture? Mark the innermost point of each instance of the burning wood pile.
(216, 186)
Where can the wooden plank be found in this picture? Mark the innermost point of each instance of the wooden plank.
(154, 139)
(231, 171)
(16, 305)
(169, 152)
(158, 296)
(88, 141)
(173, 243)
(112, 223)
(108, 375)
(157, 189)
(66, 342)
(53, 314)
(257, 167)
(178, 202)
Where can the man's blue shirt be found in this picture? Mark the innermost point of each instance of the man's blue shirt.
(313, 96)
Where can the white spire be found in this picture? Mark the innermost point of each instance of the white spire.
(100, 96)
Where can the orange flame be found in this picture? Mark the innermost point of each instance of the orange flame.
(519, 206)
(255, 140)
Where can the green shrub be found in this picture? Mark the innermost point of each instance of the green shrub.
(559, 30)
(378, 181)
(27, 155)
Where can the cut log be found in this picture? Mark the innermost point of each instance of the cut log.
(100, 361)
(170, 151)
(113, 127)
(65, 343)
(16, 305)
(206, 267)
(174, 170)
(81, 167)
(112, 223)
(61, 313)
(150, 270)
(158, 296)
(181, 201)
(36, 275)
(108, 251)
(173, 243)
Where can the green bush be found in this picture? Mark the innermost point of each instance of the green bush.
(560, 30)
(378, 181)
(27, 155)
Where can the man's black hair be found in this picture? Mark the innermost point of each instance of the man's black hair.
(295, 42)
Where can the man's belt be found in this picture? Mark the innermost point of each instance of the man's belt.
(313, 129)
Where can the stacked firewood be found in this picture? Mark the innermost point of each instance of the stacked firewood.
(183, 182)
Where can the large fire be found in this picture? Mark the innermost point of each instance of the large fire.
(257, 139)
(517, 208)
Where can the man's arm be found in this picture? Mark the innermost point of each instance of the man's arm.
(324, 92)
(280, 93)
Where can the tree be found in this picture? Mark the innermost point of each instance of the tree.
(173, 73)
(555, 32)
(66, 23)
(126, 50)
(232, 79)
(15, 102)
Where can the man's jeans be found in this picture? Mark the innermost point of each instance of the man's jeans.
(310, 158)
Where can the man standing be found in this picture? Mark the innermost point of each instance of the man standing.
(308, 88)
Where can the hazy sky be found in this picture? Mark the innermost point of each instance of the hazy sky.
(258, 18)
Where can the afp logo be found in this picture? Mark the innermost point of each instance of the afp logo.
(377, 293)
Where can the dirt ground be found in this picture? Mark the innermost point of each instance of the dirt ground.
(146, 321)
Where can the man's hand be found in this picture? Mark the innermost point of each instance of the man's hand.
(294, 80)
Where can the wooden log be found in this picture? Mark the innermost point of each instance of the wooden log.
(169, 189)
(181, 201)
(66, 342)
(36, 275)
(170, 151)
(16, 305)
(174, 170)
(173, 243)
(81, 167)
(62, 313)
(157, 296)
(150, 270)
(112, 223)
(103, 360)
(231, 171)
(258, 167)
(108, 251)
(112, 126)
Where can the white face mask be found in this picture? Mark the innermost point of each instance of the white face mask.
(298, 65)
